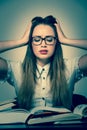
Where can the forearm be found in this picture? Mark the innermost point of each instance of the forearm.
(83, 63)
(12, 44)
(70, 42)
(75, 43)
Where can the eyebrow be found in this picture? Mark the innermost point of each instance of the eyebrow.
(43, 37)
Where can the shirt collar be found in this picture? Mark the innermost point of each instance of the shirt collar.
(42, 69)
(45, 68)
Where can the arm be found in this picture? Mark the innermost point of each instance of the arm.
(74, 43)
(3, 68)
(7, 45)
(83, 64)
(70, 42)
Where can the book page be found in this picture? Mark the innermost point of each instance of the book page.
(7, 102)
(81, 110)
(6, 106)
(54, 118)
(13, 117)
(52, 109)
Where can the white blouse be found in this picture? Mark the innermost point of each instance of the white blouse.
(42, 95)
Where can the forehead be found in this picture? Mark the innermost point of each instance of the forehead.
(43, 30)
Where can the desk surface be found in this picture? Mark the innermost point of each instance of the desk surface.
(45, 126)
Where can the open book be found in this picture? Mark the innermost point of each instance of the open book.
(40, 115)
(81, 110)
(7, 105)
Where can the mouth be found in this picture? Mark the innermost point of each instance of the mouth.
(44, 52)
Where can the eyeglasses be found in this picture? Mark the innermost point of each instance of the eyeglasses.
(49, 40)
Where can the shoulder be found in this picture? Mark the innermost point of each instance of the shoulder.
(71, 66)
(14, 65)
(72, 63)
(15, 72)
(73, 69)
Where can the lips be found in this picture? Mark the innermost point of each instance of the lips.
(43, 51)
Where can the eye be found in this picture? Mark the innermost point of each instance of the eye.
(36, 39)
(50, 39)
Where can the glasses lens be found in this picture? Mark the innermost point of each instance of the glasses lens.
(36, 40)
(50, 40)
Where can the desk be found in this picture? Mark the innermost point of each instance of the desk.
(44, 127)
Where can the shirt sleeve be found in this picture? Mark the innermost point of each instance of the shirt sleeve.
(8, 76)
(14, 74)
(74, 73)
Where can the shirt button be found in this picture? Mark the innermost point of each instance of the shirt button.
(43, 88)
(43, 98)
(43, 77)
(43, 69)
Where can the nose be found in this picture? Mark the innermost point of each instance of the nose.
(43, 43)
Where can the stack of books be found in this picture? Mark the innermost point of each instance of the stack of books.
(41, 115)
(7, 105)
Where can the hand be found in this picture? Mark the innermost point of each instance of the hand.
(61, 35)
(25, 37)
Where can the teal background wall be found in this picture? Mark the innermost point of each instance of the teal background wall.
(15, 15)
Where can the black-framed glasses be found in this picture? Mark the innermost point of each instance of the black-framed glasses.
(49, 40)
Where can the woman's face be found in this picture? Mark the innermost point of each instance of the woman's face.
(43, 43)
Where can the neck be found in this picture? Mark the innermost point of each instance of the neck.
(42, 62)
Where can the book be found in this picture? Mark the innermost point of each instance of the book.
(77, 116)
(81, 110)
(40, 115)
(24, 116)
(8, 104)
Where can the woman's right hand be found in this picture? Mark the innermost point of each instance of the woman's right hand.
(11, 44)
(25, 37)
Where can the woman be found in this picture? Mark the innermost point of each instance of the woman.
(43, 79)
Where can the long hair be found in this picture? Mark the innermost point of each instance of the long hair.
(59, 89)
